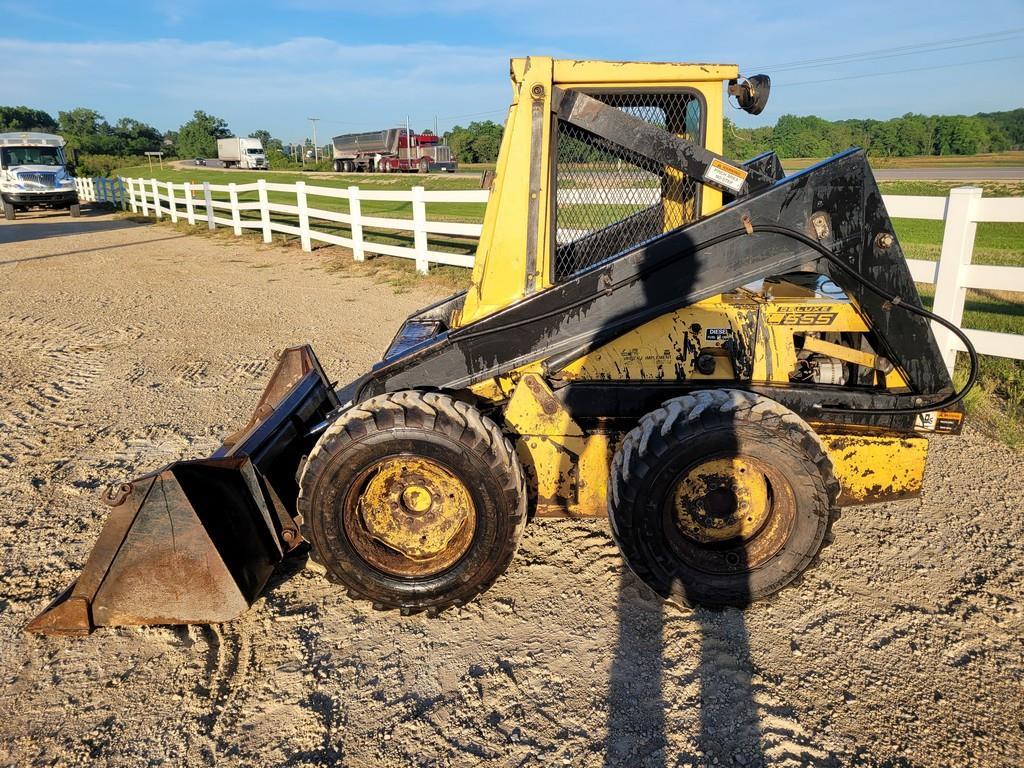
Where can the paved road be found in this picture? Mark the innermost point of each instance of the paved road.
(999, 173)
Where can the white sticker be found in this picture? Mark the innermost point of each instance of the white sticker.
(926, 421)
(725, 175)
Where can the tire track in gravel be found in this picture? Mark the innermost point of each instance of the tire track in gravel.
(37, 400)
(229, 667)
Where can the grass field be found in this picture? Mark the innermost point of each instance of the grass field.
(998, 404)
(989, 160)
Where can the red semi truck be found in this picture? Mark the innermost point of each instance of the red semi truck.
(392, 150)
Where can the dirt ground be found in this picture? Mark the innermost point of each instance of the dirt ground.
(125, 346)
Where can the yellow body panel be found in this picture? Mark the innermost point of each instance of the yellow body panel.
(876, 467)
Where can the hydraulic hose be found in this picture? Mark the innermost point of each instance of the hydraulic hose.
(895, 301)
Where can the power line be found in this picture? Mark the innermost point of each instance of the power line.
(896, 71)
(890, 52)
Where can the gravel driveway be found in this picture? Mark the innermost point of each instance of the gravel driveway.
(125, 346)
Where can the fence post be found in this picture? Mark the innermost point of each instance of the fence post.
(261, 186)
(236, 219)
(209, 206)
(300, 202)
(131, 196)
(419, 223)
(145, 197)
(957, 250)
(156, 199)
(355, 212)
(172, 202)
(92, 189)
(190, 208)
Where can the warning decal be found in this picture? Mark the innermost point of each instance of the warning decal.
(939, 421)
(725, 175)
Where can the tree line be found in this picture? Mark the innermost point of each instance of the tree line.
(791, 136)
(89, 132)
(811, 136)
(911, 134)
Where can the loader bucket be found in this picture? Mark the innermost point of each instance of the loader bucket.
(195, 542)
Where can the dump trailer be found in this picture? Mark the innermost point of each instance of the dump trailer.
(393, 150)
(35, 172)
(716, 356)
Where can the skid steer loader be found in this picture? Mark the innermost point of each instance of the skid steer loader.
(716, 355)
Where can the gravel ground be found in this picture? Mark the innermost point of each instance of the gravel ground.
(126, 346)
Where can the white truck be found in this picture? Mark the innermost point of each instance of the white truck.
(35, 173)
(238, 152)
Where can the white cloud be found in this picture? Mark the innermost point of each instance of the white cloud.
(275, 86)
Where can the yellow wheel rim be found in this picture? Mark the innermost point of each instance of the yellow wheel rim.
(410, 516)
(722, 500)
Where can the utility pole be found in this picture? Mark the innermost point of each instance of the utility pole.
(316, 148)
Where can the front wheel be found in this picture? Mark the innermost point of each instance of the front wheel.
(721, 498)
(75, 209)
(414, 501)
(9, 211)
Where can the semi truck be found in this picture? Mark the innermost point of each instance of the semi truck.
(35, 173)
(238, 152)
(392, 150)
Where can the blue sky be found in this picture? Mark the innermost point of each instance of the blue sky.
(365, 65)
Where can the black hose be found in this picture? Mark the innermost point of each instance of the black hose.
(895, 301)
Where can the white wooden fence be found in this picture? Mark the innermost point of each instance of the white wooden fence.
(195, 203)
(952, 275)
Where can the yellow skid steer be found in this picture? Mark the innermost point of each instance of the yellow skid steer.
(714, 354)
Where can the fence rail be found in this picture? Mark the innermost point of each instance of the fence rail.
(952, 275)
(205, 203)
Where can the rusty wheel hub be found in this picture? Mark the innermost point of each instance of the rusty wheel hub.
(721, 500)
(410, 516)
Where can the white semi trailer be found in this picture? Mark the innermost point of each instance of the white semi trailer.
(35, 173)
(239, 152)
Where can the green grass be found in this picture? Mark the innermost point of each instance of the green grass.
(1011, 158)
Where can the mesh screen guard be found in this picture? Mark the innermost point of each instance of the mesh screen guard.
(607, 200)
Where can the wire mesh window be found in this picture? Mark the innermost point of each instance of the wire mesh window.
(608, 200)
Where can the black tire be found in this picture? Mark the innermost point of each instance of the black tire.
(689, 432)
(337, 166)
(75, 209)
(424, 165)
(9, 212)
(417, 425)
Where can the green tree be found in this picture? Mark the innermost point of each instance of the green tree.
(87, 130)
(477, 143)
(135, 137)
(26, 119)
(198, 137)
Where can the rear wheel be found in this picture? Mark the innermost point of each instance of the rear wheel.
(9, 211)
(413, 501)
(337, 166)
(721, 498)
